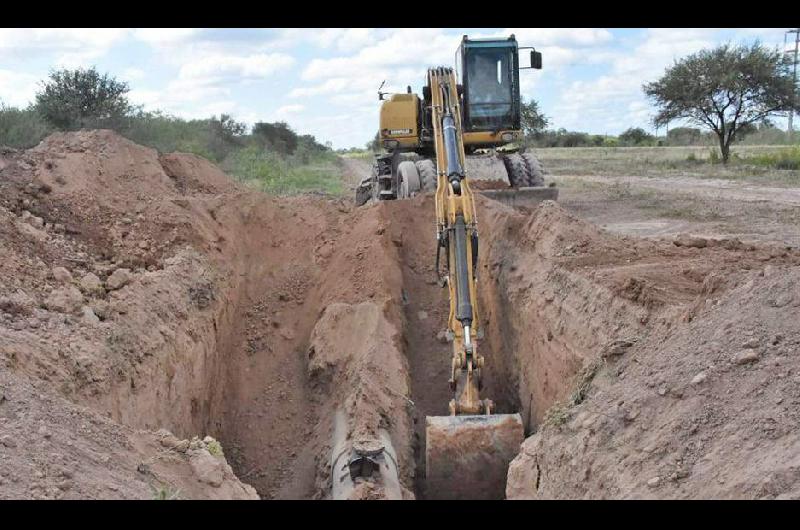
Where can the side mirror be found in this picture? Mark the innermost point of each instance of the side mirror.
(536, 60)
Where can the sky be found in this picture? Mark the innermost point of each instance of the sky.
(324, 81)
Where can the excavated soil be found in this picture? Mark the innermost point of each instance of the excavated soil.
(166, 332)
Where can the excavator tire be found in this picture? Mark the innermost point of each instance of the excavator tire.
(409, 179)
(427, 174)
(535, 169)
(519, 176)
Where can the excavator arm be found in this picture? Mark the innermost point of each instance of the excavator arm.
(468, 452)
(457, 235)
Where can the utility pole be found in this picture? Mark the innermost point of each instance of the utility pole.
(796, 32)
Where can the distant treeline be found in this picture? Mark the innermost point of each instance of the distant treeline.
(215, 138)
(765, 134)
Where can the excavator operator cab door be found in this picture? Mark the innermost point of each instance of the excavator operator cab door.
(489, 71)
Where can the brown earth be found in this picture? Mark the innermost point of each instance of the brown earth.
(143, 295)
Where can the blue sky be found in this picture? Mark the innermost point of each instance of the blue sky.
(324, 81)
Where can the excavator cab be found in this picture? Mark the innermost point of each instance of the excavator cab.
(489, 73)
(489, 70)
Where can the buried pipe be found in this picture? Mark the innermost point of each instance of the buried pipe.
(365, 460)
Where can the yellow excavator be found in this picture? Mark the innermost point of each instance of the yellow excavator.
(427, 142)
(490, 127)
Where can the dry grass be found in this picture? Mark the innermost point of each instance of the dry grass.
(560, 412)
(669, 161)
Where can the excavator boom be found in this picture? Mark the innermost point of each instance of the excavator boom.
(467, 452)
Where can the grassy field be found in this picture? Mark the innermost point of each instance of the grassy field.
(358, 155)
(776, 165)
(268, 172)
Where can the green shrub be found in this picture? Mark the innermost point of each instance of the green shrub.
(215, 448)
(83, 98)
(636, 136)
(784, 159)
(303, 171)
(214, 139)
(164, 492)
(21, 128)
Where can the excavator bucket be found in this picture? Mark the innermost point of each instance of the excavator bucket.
(467, 457)
(489, 177)
(522, 196)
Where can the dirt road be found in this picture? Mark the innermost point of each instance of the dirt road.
(353, 170)
(661, 207)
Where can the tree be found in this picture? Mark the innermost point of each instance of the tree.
(277, 135)
(227, 128)
(636, 136)
(685, 136)
(71, 99)
(532, 120)
(224, 136)
(724, 89)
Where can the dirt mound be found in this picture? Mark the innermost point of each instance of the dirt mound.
(55, 449)
(102, 299)
(657, 369)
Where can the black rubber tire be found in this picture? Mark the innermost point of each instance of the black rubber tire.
(427, 174)
(518, 173)
(535, 169)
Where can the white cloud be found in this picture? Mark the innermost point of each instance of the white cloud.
(287, 110)
(17, 89)
(144, 97)
(56, 39)
(215, 108)
(179, 96)
(69, 46)
(341, 129)
(217, 67)
(401, 48)
(164, 36)
(133, 74)
(540, 37)
(402, 56)
(343, 39)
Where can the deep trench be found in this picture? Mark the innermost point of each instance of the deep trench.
(273, 427)
(426, 308)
